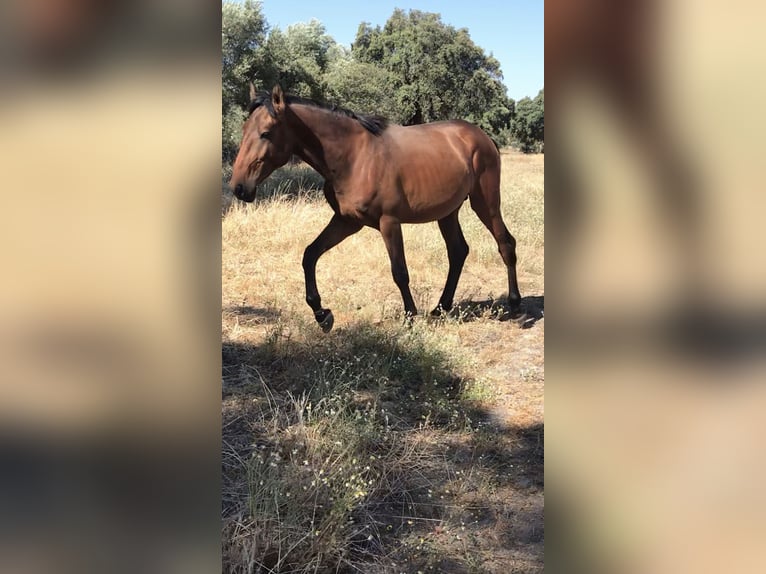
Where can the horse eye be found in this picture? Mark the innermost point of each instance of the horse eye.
(265, 135)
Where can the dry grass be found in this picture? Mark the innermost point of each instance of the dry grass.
(377, 447)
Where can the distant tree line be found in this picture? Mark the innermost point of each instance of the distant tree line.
(414, 69)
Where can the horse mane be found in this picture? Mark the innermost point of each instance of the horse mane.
(374, 124)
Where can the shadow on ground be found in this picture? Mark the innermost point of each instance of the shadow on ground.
(476, 492)
(531, 311)
(249, 315)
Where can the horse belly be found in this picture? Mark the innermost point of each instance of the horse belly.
(361, 205)
(435, 193)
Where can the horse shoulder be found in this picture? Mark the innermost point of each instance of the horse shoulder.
(357, 196)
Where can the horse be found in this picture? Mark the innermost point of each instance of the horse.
(380, 175)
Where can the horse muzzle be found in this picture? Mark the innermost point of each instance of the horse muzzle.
(241, 193)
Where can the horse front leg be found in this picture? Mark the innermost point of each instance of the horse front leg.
(336, 231)
(391, 230)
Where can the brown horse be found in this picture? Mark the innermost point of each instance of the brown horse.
(381, 176)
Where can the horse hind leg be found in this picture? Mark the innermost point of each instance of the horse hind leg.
(457, 251)
(488, 210)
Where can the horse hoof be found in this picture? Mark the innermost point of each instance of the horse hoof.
(438, 312)
(518, 316)
(325, 319)
(514, 308)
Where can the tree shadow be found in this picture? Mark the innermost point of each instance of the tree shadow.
(268, 314)
(249, 315)
(452, 440)
(531, 311)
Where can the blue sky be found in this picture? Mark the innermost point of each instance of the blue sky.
(511, 30)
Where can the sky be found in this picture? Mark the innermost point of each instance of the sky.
(510, 30)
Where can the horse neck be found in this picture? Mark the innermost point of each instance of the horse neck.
(327, 141)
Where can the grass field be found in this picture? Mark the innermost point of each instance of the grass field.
(380, 447)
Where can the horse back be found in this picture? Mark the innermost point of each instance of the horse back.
(444, 145)
(428, 170)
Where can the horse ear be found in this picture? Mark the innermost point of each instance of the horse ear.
(278, 99)
(253, 93)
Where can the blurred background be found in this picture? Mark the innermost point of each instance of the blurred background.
(110, 365)
(109, 362)
(655, 349)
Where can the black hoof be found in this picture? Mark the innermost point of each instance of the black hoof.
(515, 308)
(440, 312)
(325, 319)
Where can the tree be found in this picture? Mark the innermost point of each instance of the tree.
(415, 69)
(297, 59)
(243, 34)
(436, 71)
(528, 127)
(359, 86)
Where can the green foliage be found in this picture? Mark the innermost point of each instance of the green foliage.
(528, 127)
(415, 69)
(437, 71)
(297, 59)
(360, 86)
(233, 119)
(243, 34)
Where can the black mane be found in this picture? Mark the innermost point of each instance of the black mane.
(372, 123)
